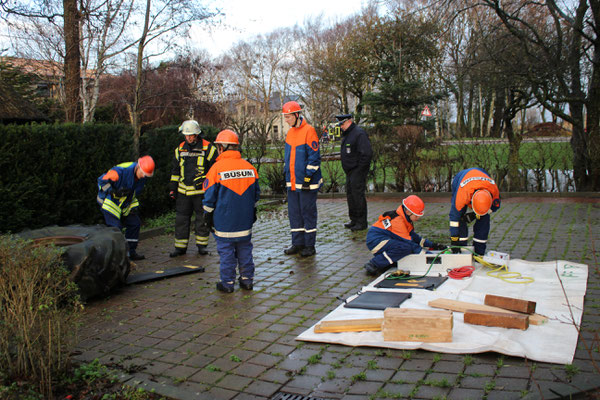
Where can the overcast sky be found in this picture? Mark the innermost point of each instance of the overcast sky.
(244, 19)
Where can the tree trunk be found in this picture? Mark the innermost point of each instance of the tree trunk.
(72, 59)
(136, 112)
(593, 108)
(499, 105)
(514, 144)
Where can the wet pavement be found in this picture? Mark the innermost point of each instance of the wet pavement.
(184, 339)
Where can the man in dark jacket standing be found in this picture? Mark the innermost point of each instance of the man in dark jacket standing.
(356, 154)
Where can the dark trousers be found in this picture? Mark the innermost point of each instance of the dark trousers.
(131, 223)
(302, 212)
(235, 255)
(184, 208)
(356, 185)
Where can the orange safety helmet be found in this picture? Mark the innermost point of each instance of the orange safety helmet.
(146, 164)
(227, 136)
(414, 204)
(291, 107)
(481, 202)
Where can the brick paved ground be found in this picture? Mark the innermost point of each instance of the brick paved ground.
(186, 340)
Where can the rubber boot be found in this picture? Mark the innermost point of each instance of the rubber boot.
(178, 252)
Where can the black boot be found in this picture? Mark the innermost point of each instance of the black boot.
(371, 269)
(293, 249)
(134, 256)
(358, 227)
(225, 289)
(178, 252)
(202, 250)
(246, 284)
(349, 224)
(308, 251)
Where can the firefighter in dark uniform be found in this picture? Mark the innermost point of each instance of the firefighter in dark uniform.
(117, 196)
(193, 158)
(356, 154)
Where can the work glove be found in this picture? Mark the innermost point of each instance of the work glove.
(208, 220)
(306, 183)
(469, 217)
(438, 246)
(456, 250)
(173, 195)
(122, 192)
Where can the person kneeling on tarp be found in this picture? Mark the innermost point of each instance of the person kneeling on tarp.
(393, 236)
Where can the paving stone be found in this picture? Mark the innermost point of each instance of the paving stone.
(207, 377)
(365, 387)
(448, 366)
(511, 383)
(262, 388)
(503, 395)
(475, 383)
(399, 389)
(408, 376)
(417, 365)
(431, 392)
(481, 369)
(307, 382)
(465, 394)
(234, 382)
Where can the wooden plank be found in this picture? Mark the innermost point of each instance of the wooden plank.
(349, 325)
(462, 306)
(416, 325)
(510, 303)
(498, 319)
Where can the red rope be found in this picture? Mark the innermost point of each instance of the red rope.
(461, 272)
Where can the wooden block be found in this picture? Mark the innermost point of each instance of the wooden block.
(349, 325)
(499, 319)
(510, 303)
(414, 325)
(462, 306)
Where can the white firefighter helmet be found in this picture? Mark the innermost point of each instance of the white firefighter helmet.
(190, 127)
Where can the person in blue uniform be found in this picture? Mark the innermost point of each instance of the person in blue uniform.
(231, 192)
(393, 236)
(475, 196)
(117, 196)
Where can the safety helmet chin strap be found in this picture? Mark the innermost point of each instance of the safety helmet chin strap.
(298, 120)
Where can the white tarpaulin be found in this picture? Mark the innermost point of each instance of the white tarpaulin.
(554, 341)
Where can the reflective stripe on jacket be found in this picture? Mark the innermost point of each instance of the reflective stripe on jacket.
(302, 157)
(231, 192)
(127, 183)
(190, 165)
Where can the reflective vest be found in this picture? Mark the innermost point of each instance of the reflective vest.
(190, 165)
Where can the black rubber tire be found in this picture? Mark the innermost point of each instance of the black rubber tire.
(95, 255)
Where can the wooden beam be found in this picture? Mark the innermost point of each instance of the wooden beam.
(462, 306)
(417, 325)
(498, 319)
(510, 303)
(349, 325)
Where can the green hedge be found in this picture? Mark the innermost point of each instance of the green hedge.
(49, 171)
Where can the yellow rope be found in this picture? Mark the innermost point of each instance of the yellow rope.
(501, 272)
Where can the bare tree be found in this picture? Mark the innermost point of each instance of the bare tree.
(163, 20)
(560, 59)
